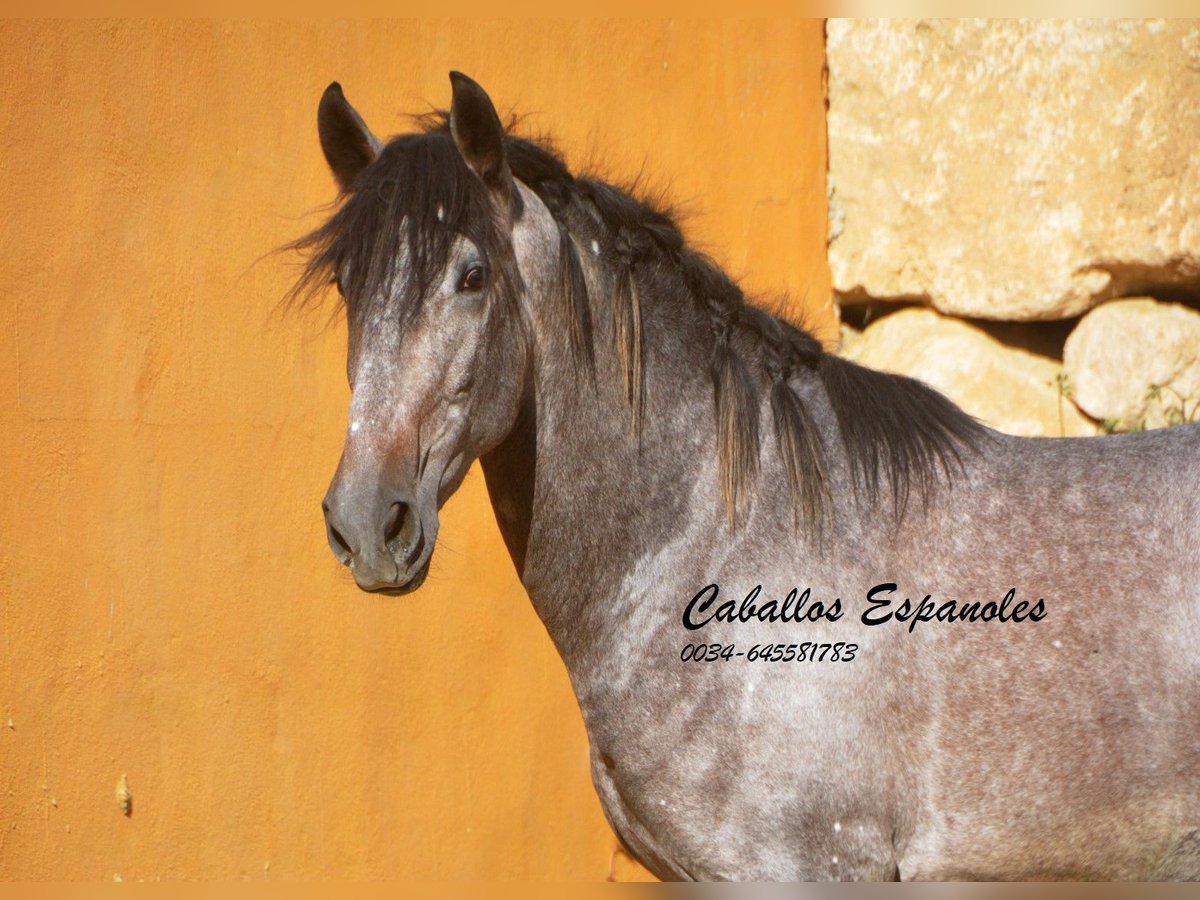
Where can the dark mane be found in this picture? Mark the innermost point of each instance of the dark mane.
(895, 431)
(419, 195)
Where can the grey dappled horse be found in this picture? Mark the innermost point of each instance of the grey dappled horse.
(820, 623)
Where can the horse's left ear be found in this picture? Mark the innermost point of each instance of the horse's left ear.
(479, 137)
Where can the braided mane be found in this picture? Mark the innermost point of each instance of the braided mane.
(895, 430)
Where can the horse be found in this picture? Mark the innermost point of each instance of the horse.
(821, 624)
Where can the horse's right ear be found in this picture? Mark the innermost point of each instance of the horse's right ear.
(479, 136)
(348, 143)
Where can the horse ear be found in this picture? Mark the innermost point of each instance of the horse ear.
(348, 143)
(479, 137)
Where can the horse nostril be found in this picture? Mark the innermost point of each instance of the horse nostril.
(340, 544)
(395, 522)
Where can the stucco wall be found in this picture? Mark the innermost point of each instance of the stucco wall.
(168, 607)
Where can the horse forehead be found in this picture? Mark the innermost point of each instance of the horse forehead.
(388, 339)
(378, 300)
(394, 356)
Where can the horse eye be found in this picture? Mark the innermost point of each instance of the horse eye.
(472, 279)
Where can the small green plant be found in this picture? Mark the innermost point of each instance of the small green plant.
(1175, 411)
(1122, 426)
(1066, 391)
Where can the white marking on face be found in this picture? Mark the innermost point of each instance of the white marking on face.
(835, 860)
(596, 248)
(354, 426)
(837, 826)
(1057, 644)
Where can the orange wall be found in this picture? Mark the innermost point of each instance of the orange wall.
(168, 607)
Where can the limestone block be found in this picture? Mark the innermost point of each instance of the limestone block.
(1014, 169)
(1007, 388)
(1136, 363)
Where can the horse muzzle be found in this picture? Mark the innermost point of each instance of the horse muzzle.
(386, 543)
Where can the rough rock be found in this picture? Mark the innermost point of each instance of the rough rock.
(1014, 169)
(1006, 387)
(847, 335)
(1136, 364)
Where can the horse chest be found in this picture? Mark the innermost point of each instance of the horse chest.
(694, 837)
(692, 798)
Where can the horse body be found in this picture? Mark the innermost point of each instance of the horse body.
(1059, 747)
(902, 761)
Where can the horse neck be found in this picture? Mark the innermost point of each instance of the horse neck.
(579, 495)
(592, 510)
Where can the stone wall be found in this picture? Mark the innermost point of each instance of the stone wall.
(1022, 171)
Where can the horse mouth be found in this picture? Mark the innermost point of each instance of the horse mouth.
(409, 553)
(415, 580)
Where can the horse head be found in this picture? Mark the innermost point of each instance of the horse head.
(432, 249)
